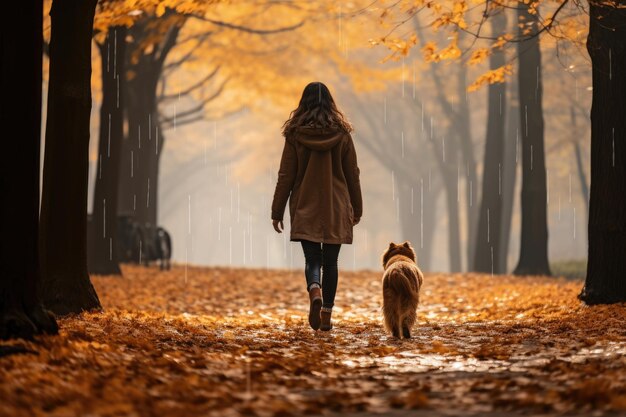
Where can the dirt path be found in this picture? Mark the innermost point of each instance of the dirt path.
(218, 341)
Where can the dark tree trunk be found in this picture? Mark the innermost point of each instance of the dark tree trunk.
(488, 244)
(103, 258)
(533, 258)
(139, 197)
(509, 174)
(21, 50)
(416, 226)
(606, 265)
(65, 282)
(142, 149)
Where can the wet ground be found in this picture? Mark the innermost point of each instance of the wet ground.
(219, 341)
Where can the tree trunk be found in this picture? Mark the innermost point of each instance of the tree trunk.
(21, 50)
(606, 265)
(416, 226)
(103, 258)
(509, 174)
(466, 143)
(488, 244)
(66, 285)
(452, 204)
(142, 149)
(533, 258)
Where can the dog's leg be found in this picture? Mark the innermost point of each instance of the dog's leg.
(406, 333)
(395, 331)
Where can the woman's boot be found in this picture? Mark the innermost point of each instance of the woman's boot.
(315, 299)
(325, 314)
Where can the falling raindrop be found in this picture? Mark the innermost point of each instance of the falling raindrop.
(398, 209)
(132, 164)
(393, 187)
(230, 245)
(403, 77)
(108, 52)
(385, 110)
(421, 213)
(548, 187)
(570, 187)
(516, 145)
(613, 130)
(531, 157)
(526, 118)
(499, 179)
(104, 218)
(414, 79)
(244, 247)
(148, 194)
(109, 140)
(488, 226)
(610, 65)
(115, 51)
(443, 149)
(458, 183)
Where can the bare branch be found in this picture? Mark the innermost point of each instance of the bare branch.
(192, 87)
(245, 28)
(198, 108)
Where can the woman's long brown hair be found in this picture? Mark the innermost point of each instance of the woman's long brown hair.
(316, 108)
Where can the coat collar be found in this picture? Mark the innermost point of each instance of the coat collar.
(318, 138)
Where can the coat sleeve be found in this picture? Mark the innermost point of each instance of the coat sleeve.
(351, 172)
(286, 178)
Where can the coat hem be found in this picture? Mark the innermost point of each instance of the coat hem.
(297, 237)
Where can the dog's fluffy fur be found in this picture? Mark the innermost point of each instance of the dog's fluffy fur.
(402, 281)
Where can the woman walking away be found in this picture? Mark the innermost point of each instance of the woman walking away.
(320, 177)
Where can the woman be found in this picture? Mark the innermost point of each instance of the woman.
(320, 177)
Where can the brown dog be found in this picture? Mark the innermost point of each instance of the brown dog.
(402, 281)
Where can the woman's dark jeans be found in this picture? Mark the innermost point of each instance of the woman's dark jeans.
(322, 257)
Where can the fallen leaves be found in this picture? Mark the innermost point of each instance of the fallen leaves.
(220, 341)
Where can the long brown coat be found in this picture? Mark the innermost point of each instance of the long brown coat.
(320, 177)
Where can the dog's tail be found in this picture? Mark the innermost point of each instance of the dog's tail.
(400, 284)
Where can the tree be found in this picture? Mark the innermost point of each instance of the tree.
(509, 173)
(606, 264)
(103, 256)
(65, 282)
(533, 258)
(488, 239)
(21, 48)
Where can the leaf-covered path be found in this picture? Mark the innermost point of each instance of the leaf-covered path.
(220, 341)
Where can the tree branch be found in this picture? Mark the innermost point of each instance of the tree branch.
(245, 28)
(192, 87)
